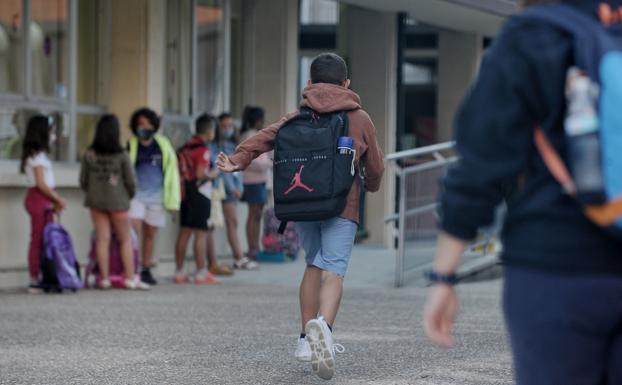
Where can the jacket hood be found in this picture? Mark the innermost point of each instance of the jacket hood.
(325, 98)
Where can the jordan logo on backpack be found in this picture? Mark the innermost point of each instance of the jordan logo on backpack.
(297, 182)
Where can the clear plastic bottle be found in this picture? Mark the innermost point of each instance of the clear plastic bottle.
(583, 137)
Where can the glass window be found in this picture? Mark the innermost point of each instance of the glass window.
(237, 59)
(92, 61)
(178, 57)
(210, 19)
(49, 35)
(59, 149)
(324, 12)
(11, 57)
(13, 123)
(12, 129)
(178, 132)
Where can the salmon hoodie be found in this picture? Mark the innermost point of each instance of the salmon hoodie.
(326, 98)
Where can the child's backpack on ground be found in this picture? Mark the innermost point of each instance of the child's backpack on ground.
(116, 270)
(59, 265)
(593, 124)
(276, 245)
(311, 179)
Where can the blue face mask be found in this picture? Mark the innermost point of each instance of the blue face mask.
(228, 133)
(145, 133)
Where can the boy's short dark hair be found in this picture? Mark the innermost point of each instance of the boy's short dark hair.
(224, 115)
(204, 123)
(147, 113)
(329, 68)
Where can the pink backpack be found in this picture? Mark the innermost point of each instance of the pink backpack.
(273, 242)
(117, 275)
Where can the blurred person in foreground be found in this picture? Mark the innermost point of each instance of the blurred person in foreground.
(563, 273)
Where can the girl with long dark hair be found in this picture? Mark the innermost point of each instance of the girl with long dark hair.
(41, 196)
(107, 177)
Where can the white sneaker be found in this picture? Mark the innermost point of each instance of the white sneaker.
(303, 351)
(323, 349)
(136, 284)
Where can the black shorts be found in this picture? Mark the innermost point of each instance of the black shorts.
(195, 208)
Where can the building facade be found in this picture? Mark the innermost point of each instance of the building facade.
(74, 60)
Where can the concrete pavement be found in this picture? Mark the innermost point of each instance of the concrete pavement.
(244, 332)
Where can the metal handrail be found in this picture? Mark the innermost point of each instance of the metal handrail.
(402, 171)
(421, 151)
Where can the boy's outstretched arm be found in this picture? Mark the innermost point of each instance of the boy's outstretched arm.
(252, 147)
(224, 163)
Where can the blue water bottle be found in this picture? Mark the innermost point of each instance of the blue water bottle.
(345, 146)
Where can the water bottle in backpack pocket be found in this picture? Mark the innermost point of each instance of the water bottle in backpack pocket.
(592, 172)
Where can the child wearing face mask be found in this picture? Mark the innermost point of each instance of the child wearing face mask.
(226, 142)
(41, 196)
(158, 190)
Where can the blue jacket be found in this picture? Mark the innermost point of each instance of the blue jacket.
(233, 182)
(521, 84)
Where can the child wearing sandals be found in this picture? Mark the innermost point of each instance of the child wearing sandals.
(41, 195)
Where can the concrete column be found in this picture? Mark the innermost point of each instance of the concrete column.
(271, 55)
(372, 57)
(137, 56)
(459, 58)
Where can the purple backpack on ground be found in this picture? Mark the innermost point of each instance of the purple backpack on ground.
(59, 264)
(116, 271)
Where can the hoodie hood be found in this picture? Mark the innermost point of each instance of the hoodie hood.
(325, 98)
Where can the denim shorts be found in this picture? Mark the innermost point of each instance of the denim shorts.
(328, 244)
(255, 193)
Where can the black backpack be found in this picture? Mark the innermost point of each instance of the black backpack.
(311, 179)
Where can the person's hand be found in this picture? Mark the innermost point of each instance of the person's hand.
(60, 205)
(440, 313)
(225, 164)
(237, 194)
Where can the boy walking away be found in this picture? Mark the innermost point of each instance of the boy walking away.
(196, 176)
(317, 153)
(544, 119)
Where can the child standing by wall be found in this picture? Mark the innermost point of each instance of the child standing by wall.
(107, 178)
(255, 178)
(234, 187)
(41, 195)
(158, 183)
(197, 177)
